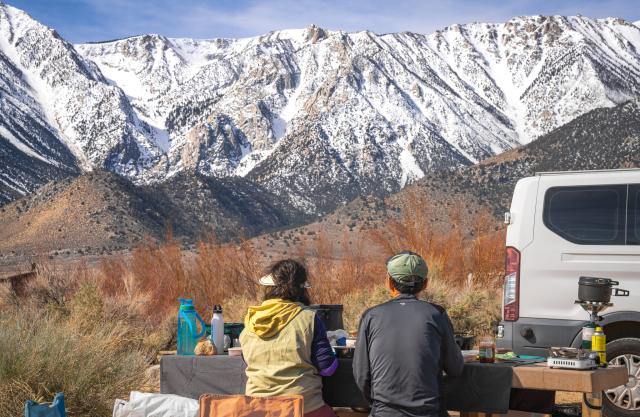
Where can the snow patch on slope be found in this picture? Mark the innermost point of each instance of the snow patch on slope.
(40, 91)
(5, 134)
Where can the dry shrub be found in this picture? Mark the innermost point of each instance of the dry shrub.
(356, 302)
(472, 309)
(465, 257)
(222, 272)
(90, 345)
(462, 250)
(335, 277)
(7, 298)
(156, 275)
(159, 270)
(45, 351)
(53, 285)
(13, 395)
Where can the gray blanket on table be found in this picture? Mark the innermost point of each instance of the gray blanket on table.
(481, 387)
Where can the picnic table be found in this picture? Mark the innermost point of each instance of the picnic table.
(482, 388)
(590, 383)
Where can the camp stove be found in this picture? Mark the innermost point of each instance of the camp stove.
(594, 295)
(571, 358)
(594, 308)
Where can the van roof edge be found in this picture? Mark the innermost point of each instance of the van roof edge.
(586, 171)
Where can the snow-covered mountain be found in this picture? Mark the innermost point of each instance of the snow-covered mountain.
(316, 116)
(59, 112)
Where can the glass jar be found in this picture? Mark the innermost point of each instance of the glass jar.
(487, 349)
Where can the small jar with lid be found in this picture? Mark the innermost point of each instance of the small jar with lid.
(487, 349)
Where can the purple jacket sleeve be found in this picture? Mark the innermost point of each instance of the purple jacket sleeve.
(322, 355)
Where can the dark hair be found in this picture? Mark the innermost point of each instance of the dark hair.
(289, 277)
(411, 288)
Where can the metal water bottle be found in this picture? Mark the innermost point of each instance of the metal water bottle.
(599, 345)
(217, 329)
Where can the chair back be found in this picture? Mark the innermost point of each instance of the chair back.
(214, 405)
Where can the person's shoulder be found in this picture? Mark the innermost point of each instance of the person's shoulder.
(435, 309)
(308, 313)
(374, 309)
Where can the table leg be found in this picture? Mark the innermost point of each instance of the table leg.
(592, 405)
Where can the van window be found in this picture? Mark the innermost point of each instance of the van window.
(633, 222)
(593, 215)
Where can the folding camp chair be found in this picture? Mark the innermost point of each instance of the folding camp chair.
(213, 405)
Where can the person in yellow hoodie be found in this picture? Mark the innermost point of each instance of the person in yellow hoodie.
(284, 344)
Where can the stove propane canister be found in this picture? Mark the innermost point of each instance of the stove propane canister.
(599, 345)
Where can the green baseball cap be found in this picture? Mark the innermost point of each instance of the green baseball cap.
(407, 268)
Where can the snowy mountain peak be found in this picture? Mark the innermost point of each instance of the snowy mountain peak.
(318, 116)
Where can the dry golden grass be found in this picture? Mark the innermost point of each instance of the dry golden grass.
(46, 351)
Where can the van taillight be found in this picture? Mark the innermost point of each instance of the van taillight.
(511, 285)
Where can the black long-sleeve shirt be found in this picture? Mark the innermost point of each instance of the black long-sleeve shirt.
(403, 347)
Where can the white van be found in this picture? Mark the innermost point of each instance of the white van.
(561, 226)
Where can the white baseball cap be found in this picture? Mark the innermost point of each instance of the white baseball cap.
(268, 281)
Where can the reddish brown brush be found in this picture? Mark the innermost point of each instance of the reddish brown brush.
(465, 253)
(460, 250)
(164, 272)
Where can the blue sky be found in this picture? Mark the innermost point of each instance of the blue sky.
(94, 20)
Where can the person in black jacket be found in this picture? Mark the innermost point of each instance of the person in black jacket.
(404, 345)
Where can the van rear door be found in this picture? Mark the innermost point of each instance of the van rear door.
(580, 230)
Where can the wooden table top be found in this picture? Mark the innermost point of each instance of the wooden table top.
(541, 377)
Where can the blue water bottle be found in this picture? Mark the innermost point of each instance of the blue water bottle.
(188, 334)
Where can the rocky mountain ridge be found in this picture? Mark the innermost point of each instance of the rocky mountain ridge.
(100, 212)
(318, 117)
(606, 138)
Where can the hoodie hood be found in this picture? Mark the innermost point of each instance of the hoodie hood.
(269, 318)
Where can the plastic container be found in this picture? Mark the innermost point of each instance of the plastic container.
(54, 409)
(587, 334)
(217, 329)
(235, 351)
(464, 341)
(188, 334)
